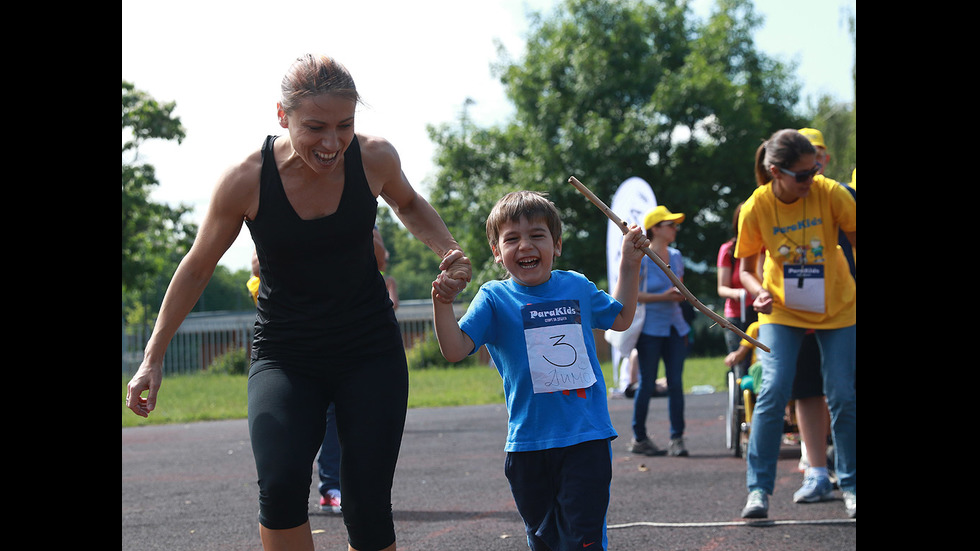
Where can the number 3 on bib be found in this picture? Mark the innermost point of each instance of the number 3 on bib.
(556, 351)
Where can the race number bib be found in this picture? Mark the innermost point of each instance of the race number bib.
(556, 352)
(803, 285)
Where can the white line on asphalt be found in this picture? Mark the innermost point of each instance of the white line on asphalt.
(731, 523)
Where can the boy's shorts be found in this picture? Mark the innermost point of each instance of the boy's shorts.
(563, 494)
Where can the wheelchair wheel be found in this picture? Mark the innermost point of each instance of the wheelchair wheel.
(733, 416)
(748, 403)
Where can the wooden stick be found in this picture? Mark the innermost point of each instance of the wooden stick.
(720, 320)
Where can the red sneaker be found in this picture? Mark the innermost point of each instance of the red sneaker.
(330, 503)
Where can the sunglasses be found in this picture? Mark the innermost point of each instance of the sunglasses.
(802, 176)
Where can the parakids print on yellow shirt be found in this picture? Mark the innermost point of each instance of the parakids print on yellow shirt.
(805, 270)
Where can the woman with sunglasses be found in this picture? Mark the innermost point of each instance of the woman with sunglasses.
(793, 219)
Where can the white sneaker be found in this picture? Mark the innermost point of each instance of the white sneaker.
(676, 447)
(757, 506)
(851, 503)
(814, 489)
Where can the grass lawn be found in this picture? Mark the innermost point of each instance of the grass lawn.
(206, 396)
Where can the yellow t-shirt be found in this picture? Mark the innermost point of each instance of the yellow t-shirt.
(787, 232)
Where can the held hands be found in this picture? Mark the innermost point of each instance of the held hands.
(456, 272)
(456, 266)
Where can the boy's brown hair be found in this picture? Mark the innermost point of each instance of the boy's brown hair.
(532, 205)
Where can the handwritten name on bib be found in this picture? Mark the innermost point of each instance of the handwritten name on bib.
(556, 351)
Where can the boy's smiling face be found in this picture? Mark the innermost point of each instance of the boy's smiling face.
(527, 250)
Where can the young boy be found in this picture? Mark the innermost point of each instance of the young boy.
(537, 325)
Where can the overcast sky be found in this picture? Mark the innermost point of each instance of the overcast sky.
(414, 63)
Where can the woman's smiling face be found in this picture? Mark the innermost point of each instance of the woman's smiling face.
(320, 129)
(527, 250)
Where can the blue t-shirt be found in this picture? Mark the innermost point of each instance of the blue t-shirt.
(660, 316)
(554, 321)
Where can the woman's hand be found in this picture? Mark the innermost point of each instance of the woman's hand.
(456, 272)
(147, 378)
(763, 302)
(673, 295)
(456, 265)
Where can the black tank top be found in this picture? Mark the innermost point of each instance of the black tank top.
(321, 295)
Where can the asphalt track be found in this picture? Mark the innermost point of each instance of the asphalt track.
(192, 487)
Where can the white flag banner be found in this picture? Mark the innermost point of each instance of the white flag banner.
(632, 200)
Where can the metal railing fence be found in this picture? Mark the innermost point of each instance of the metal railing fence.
(204, 336)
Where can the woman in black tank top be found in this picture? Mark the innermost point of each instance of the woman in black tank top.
(325, 332)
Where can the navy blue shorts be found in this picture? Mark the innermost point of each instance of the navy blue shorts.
(562, 494)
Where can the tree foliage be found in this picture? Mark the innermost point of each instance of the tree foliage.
(411, 262)
(605, 90)
(154, 235)
(225, 291)
(609, 90)
(838, 121)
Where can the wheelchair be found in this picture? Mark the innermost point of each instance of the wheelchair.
(738, 416)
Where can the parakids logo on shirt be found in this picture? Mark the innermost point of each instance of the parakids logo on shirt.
(551, 313)
(816, 221)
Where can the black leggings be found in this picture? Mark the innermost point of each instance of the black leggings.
(286, 421)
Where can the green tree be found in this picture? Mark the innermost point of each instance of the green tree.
(411, 262)
(609, 90)
(837, 121)
(154, 235)
(225, 291)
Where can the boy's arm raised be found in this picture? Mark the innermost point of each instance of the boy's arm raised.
(628, 284)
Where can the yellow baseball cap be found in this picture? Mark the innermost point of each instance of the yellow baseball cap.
(660, 214)
(814, 135)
